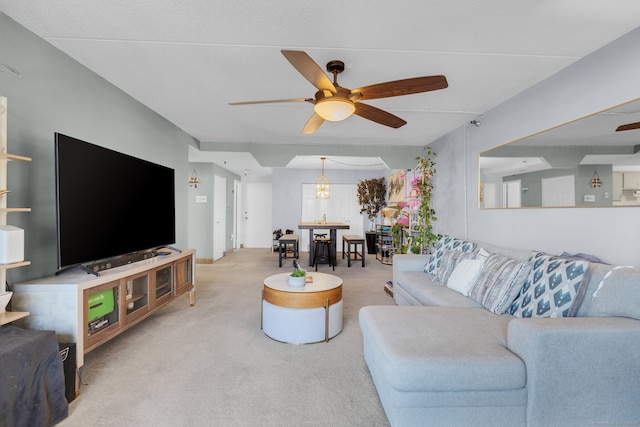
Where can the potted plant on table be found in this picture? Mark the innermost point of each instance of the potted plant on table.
(297, 278)
(371, 197)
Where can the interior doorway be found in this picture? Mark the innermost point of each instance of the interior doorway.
(219, 216)
(511, 194)
(559, 191)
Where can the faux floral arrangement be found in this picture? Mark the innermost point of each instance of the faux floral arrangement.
(390, 212)
(371, 197)
(399, 216)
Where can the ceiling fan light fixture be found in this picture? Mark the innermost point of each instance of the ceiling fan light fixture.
(334, 109)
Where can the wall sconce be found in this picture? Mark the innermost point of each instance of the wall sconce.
(193, 180)
(323, 185)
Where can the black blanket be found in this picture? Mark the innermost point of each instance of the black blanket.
(31, 378)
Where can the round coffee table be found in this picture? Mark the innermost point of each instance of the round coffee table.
(303, 315)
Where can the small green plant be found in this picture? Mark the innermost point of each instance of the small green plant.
(298, 273)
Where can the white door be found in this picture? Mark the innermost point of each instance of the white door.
(341, 207)
(236, 214)
(219, 215)
(256, 199)
(511, 196)
(559, 191)
(491, 195)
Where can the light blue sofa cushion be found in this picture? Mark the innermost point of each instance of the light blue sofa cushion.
(441, 348)
(618, 294)
(423, 287)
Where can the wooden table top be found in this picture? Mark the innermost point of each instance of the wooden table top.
(328, 225)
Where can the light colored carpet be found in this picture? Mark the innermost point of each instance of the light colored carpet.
(211, 364)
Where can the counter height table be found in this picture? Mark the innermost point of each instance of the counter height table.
(331, 226)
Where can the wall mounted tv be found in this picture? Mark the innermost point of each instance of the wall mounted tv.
(109, 205)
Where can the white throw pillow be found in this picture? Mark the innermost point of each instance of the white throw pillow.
(483, 254)
(464, 276)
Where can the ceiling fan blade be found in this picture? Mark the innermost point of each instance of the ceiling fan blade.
(379, 116)
(273, 101)
(309, 69)
(313, 124)
(628, 126)
(402, 87)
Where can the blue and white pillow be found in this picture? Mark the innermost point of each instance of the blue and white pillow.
(555, 287)
(446, 243)
(448, 263)
(500, 282)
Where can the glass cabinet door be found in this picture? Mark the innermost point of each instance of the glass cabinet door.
(162, 285)
(136, 296)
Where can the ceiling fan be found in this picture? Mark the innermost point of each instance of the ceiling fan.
(628, 126)
(333, 102)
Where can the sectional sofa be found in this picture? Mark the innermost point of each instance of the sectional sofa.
(490, 336)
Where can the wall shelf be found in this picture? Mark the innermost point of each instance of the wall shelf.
(7, 317)
(8, 156)
(14, 265)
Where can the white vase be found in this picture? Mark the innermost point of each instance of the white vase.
(296, 282)
(4, 300)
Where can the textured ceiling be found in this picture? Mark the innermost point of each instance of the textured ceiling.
(188, 59)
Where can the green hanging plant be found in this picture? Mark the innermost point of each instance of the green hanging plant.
(424, 238)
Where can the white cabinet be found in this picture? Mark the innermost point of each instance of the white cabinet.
(631, 180)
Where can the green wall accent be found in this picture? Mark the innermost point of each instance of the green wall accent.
(57, 94)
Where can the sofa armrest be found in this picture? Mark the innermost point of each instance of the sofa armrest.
(580, 371)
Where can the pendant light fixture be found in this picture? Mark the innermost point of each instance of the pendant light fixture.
(323, 185)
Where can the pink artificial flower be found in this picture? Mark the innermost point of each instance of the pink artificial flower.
(403, 221)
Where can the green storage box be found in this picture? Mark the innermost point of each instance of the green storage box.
(100, 304)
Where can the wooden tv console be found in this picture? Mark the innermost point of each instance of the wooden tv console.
(61, 302)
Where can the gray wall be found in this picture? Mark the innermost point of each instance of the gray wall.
(200, 216)
(606, 78)
(57, 94)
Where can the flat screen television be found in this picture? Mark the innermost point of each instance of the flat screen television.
(109, 204)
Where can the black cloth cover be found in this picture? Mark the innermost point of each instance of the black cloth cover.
(32, 385)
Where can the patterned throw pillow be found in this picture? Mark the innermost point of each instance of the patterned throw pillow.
(500, 281)
(448, 263)
(555, 287)
(446, 243)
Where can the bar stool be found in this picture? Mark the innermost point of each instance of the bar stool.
(287, 244)
(322, 245)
